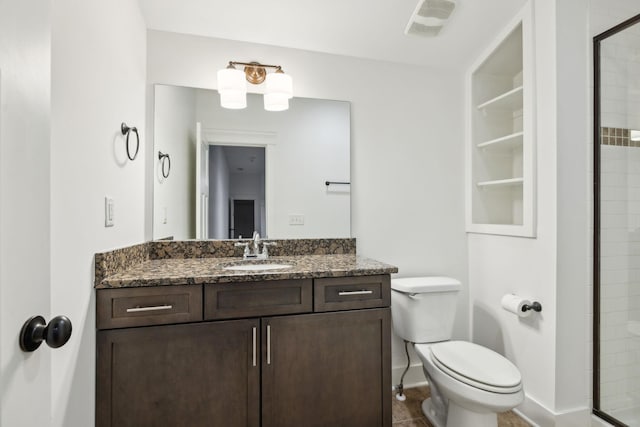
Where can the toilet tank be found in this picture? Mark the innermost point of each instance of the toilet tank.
(423, 308)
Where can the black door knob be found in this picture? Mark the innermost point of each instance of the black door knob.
(35, 330)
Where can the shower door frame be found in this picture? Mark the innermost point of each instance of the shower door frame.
(596, 213)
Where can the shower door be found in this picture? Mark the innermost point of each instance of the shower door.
(616, 378)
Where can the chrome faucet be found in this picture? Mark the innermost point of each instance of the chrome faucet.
(255, 242)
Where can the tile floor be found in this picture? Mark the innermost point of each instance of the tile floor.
(409, 414)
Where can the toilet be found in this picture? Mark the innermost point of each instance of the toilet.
(469, 383)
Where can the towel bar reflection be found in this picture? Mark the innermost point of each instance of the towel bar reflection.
(126, 130)
(165, 160)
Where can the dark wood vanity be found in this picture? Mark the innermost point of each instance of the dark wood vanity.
(309, 350)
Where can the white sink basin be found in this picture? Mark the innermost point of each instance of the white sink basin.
(257, 267)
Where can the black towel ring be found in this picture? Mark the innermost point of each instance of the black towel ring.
(162, 157)
(126, 130)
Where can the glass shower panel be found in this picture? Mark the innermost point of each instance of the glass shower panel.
(619, 275)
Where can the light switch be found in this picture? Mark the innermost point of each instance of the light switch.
(296, 219)
(108, 212)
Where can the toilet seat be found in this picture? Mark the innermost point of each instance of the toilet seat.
(476, 366)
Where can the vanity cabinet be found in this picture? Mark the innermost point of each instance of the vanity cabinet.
(260, 298)
(328, 369)
(500, 134)
(196, 375)
(162, 305)
(258, 355)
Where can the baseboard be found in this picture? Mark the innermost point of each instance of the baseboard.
(599, 422)
(538, 415)
(413, 378)
(576, 417)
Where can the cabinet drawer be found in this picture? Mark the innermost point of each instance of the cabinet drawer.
(252, 299)
(351, 293)
(122, 308)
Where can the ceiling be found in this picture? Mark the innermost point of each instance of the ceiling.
(371, 29)
(244, 160)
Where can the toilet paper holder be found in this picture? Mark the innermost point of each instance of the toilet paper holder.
(535, 306)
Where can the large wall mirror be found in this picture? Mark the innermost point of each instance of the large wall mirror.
(284, 174)
(616, 274)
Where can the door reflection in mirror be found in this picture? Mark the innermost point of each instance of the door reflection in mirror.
(237, 192)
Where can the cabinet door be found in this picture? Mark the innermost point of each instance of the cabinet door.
(328, 369)
(204, 374)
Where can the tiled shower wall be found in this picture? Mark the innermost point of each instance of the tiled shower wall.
(620, 79)
(620, 274)
(620, 222)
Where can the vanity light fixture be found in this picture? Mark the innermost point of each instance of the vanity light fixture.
(233, 89)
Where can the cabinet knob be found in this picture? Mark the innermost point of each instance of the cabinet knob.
(35, 330)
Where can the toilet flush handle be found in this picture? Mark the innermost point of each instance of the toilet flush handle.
(409, 294)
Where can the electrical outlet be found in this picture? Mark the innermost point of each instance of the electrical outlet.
(108, 212)
(296, 219)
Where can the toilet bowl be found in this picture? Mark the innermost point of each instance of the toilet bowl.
(469, 383)
(476, 383)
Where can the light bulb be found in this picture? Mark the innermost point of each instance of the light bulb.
(279, 83)
(233, 100)
(232, 88)
(276, 102)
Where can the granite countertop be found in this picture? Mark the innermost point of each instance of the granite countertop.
(191, 271)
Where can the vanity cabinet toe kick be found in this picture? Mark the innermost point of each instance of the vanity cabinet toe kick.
(267, 353)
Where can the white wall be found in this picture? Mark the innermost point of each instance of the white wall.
(175, 134)
(98, 81)
(406, 146)
(25, 38)
(526, 267)
(548, 348)
(573, 357)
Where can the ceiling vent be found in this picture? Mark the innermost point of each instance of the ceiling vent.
(429, 17)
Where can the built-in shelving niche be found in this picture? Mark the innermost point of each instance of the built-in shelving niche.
(500, 126)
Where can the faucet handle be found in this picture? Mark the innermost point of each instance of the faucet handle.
(245, 245)
(265, 245)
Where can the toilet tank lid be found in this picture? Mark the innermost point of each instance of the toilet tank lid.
(418, 285)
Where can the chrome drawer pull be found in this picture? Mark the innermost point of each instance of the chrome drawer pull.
(362, 292)
(254, 346)
(151, 308)
(268, 344)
